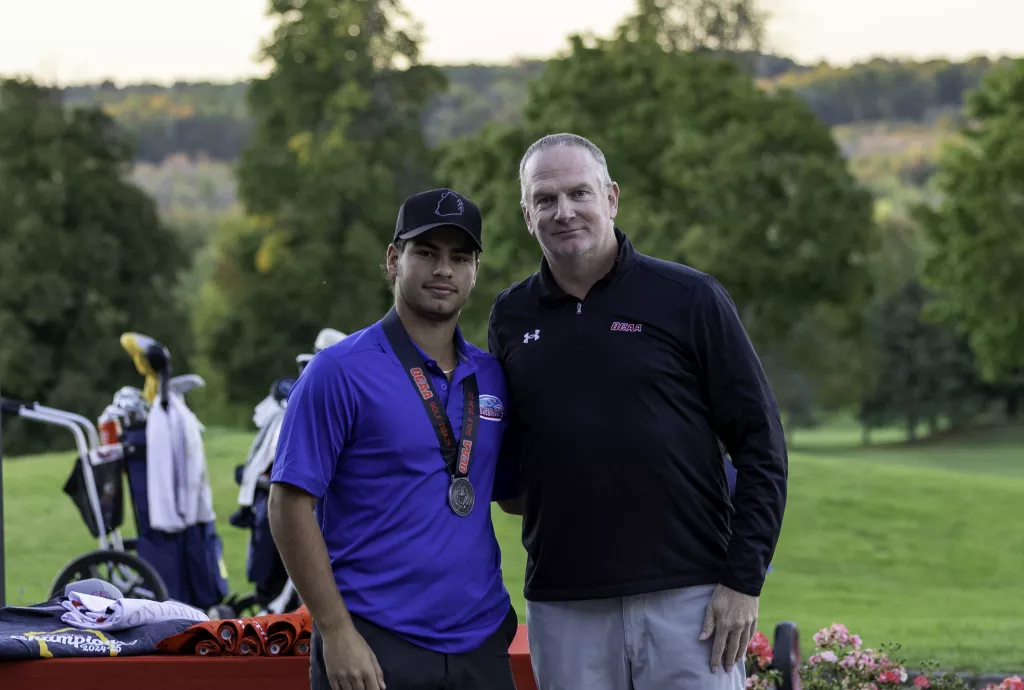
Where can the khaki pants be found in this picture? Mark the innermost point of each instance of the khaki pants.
(641, 642)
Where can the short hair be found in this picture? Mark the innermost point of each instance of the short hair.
(563, 140)
(400, 245)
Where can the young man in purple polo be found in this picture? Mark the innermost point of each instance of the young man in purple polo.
(384, 474)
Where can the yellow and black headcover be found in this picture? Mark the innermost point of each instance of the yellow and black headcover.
(152, 360)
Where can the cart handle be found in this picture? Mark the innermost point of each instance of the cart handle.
(16, 408)
(10, 406)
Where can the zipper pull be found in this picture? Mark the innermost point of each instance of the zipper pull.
(579, 308)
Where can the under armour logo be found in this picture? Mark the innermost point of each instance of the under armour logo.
(449, 205)
(527, 337)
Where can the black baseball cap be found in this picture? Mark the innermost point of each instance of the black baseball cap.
(436, 208)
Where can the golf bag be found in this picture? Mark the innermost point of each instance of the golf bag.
(165, 463)
(191, 560)
(263, 566)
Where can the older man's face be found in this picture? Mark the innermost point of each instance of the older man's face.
(567, 207)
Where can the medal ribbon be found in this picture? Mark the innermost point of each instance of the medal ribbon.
(456, 454)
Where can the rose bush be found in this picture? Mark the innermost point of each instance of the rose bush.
(760, 673)
(841, 662)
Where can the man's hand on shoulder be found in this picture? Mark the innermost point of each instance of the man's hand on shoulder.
(731, 617)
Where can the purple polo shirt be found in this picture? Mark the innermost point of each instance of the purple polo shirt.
(356, 436)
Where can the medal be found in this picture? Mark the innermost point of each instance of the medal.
(457, 455)
(461, 496)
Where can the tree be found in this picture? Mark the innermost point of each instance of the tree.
(746, 185)
(976, 258)
(337, 145)
(926, 373)
(724, 26)
(85, 258)
(917, 372)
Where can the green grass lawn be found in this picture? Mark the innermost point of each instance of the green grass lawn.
(921, 544)
(995, 451)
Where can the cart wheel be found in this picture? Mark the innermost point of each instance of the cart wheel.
(133, 576)
(220, 612)
(247, 606)
(786, 654)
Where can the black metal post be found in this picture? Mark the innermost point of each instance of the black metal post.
(3, 575)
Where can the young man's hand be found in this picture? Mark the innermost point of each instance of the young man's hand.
(350, 663)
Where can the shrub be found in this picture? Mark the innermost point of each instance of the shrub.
(841, 662)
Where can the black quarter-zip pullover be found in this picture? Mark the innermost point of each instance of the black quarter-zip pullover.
(617, 404)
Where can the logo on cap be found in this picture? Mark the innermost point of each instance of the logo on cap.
(449, 205)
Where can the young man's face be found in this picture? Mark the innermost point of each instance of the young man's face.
(435, 272)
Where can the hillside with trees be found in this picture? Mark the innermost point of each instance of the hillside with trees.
(834, 204)
(890, 118)
(213, 120)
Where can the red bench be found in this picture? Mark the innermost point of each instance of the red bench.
(170, 672)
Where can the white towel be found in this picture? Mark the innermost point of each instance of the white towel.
(177, 486)
(100, 613)
(266, 410)
(267, 416)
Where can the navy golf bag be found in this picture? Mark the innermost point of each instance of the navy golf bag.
(191, 562)
(264, 568)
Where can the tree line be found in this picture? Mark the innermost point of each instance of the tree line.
(910, 317)
(215, 121)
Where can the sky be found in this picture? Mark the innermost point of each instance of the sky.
(128, 41)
